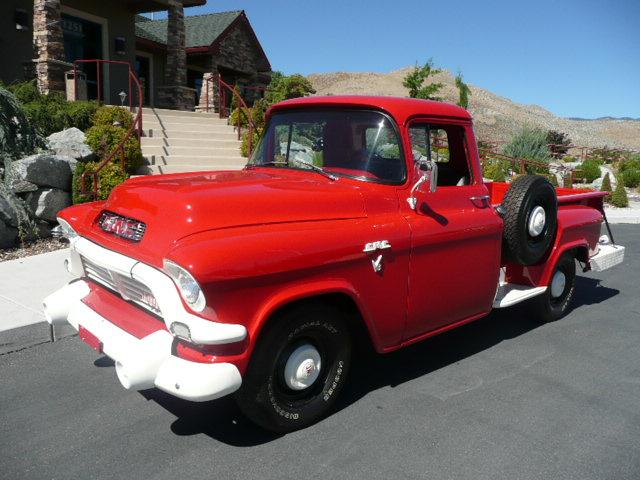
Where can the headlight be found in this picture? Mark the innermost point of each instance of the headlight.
(64, 230)
(187, 285)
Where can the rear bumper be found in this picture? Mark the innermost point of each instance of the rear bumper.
(608, 256)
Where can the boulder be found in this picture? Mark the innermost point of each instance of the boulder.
(41, 170)
(45, 203)
(70, 143)
(8, 235)
(8, 214)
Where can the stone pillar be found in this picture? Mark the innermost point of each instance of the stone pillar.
(175, 93)
(48, 46)
(209, 93)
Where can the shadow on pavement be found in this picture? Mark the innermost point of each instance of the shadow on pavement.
(222, 420)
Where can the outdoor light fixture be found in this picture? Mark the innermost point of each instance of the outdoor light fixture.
(123, 97)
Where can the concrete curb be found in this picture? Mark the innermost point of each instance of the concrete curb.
(29, 336)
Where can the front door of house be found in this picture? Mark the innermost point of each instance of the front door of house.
(83, 41)
(143, 72)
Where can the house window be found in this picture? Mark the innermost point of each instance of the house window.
(21, 18)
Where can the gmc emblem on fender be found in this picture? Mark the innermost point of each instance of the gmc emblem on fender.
(122, 226)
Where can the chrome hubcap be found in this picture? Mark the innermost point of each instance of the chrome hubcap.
(537, 221)
(557, 284)
(302, 367)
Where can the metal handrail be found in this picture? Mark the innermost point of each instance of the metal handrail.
(136, 125)
(223, 88)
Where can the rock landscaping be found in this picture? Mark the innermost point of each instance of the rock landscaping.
(38, 186)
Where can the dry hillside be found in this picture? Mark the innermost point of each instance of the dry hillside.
(496, 118)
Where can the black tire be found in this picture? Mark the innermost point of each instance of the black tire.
(266, 399)
(527, 193)
(549, 307)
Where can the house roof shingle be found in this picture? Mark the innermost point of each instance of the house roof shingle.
(200, 30)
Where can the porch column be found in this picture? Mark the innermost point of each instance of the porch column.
(175, 93)
(48, 46)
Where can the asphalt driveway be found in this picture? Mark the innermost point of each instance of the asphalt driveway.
(503, 397)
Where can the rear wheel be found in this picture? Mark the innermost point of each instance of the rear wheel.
(297, 369)
(555, 302)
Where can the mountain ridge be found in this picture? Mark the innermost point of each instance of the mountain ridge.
(495, 117)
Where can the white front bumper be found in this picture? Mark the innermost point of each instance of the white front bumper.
(147, 362)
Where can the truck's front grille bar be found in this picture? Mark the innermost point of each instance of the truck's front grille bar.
(128, 288)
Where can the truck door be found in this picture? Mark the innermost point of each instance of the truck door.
(455, 234)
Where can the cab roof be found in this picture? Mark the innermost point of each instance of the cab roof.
(400, 108)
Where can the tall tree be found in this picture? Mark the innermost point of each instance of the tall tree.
(463, 91)
(416, 82)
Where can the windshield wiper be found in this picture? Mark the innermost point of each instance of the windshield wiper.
(318, 169)
(313, 167)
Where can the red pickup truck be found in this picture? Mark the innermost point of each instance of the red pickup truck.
(357, 219)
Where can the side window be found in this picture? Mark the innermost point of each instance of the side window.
(445, 145)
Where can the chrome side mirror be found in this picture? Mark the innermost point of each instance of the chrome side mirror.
(430, 169)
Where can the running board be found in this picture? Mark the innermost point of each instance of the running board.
(511, 293)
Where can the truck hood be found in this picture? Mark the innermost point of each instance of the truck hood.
(176, 206)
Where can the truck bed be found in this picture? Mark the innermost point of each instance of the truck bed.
(573, 196)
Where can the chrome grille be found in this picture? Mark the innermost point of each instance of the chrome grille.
(128, 288)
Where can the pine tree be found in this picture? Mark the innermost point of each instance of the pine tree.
(463, 92)
(619, 197)
(606, 187)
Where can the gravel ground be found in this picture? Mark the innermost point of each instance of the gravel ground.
(33, 248)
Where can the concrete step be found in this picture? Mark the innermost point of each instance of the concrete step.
(190, 133)
(205, 120)
(194, 160)
(163, 112)
(224, 142)
(160, 169)
(188, 127)
(192, 150)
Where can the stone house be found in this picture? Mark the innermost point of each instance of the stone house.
(42, 39)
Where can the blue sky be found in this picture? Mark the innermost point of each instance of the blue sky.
(578, 58)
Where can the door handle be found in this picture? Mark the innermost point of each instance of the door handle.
(482, 199)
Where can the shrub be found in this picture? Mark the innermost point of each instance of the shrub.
(552, 179)
(531, 144)
(112, 116)
(568, 159)
(52, 112)
(104, 139)
(605, 155)
(588, 171)
(17, 135)
(606, 187)
(108, 178)
(630, 177)
(496, 170)
(244, 148)
(619, 197)
(558, 143)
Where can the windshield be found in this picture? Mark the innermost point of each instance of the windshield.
(354, 143)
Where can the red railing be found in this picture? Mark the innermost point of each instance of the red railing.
(135, 128)
(224, 89)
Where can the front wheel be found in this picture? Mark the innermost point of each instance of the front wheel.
(555, 302)
(297, 369)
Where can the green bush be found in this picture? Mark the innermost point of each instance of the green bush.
(104, 139)
(630, 177)
(531, 144)
(108, 178)
(568, 159)
(553, 179)
(588, 171)
(244, 148)
(619, 197)
(52, 112)
(496, 170)
(606, 187)
(112, 116)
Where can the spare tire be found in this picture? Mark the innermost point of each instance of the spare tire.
(530, 213)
